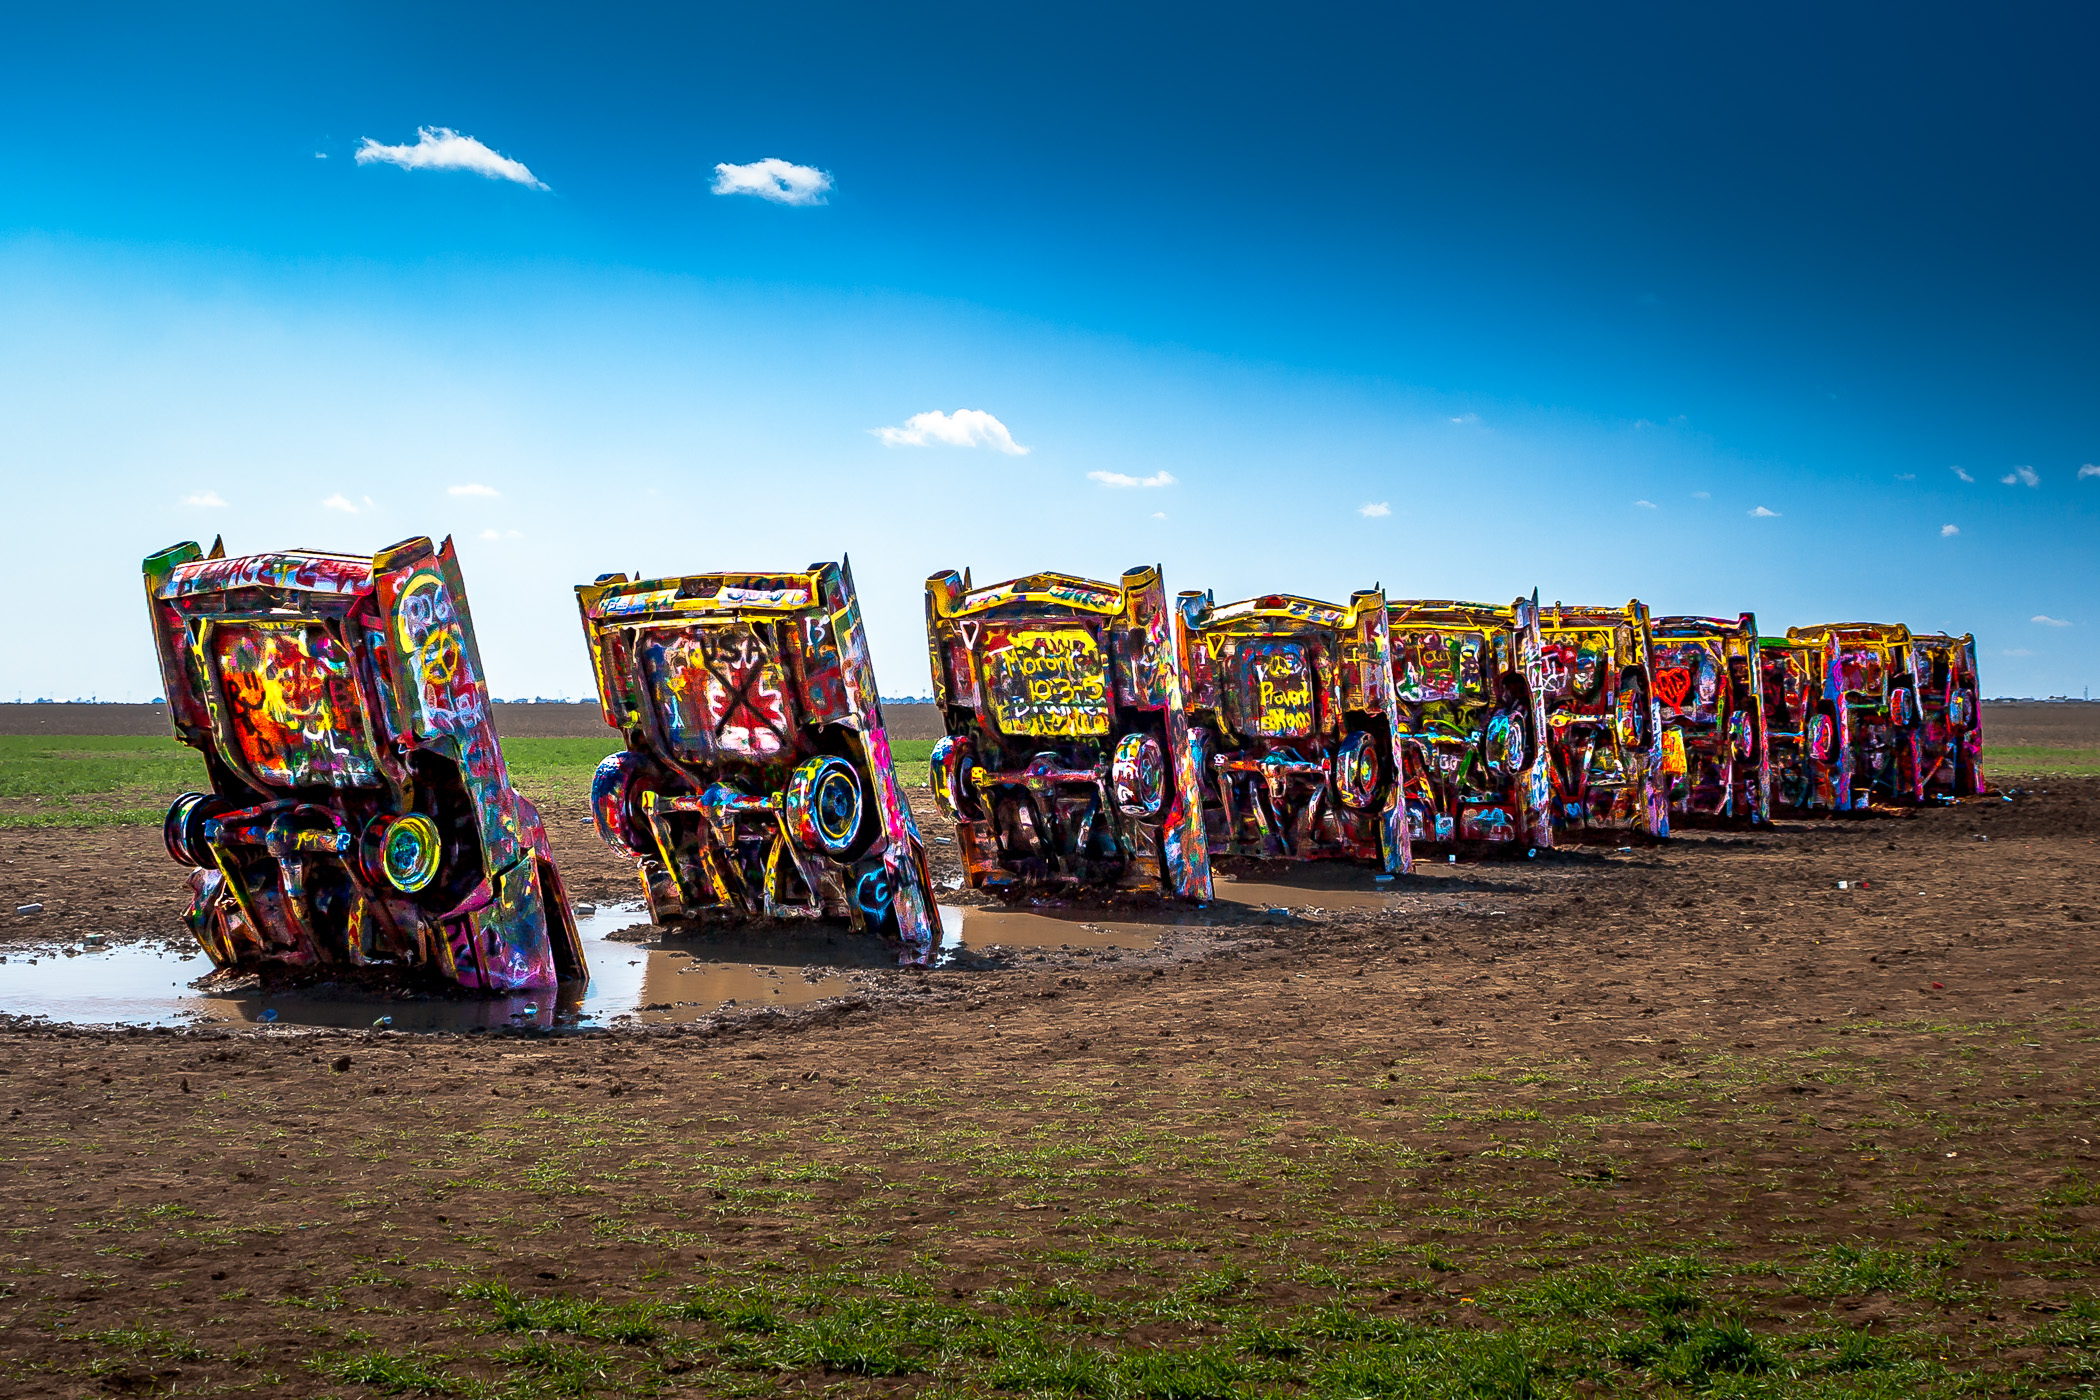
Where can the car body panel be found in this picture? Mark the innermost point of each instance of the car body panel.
(339, 704)
(1067, 759)
(1291, 704)
(1950, 741)
(1465, 676)
(1709, 689)
(743, 699)
(1603, 725)
(1807, 728)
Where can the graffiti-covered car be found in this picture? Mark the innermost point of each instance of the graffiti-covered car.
(360, 813)
(1066, 761)
(756, 781)
(1710, 694)
(1806, 729)
(1470, 723)
(1291, 703)
(1603, 733)
(1878, 665)
(1950, 741)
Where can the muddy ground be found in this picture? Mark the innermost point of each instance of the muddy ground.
(1866, 1108)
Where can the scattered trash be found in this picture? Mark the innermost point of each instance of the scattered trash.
(29, 908)
(1382, 879)
(1532, 854)
(383, 1023)
(1844, 884)
(93, 940)
(1939, 986)
(586, 908)
(1625, 850)
(1451, 860)
(269, 1013)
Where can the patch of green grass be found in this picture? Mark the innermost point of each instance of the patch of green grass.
(2025, 759)
(92, 780)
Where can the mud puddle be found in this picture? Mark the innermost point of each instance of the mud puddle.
(141, 985)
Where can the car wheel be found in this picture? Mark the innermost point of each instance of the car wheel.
(830, 810)
(1140, 775)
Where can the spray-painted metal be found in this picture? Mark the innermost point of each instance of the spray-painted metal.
(756, 782)
(360, 816)
(1808, 730)
(1604, 728)
(1950, 742)
(1292, 705)
(1911, 700)
(1710, 692)
(1068, 758)
(1469, 679)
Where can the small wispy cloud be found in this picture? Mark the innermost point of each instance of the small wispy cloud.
(472, 488)
(1467, 418)
(1647, 505)
(1946, 531)
(204, 498)
(1762, 514)
(2016, 651)
(1373, 510)
(1123, 482)
(1906, 476)
(442, 148)
(2021, 476)
(1963, 475)
(2089, 469)
(1159, 515)
(342, 503)
(781, 181)
(966, 427)
(2048, 621)
(1702, 495)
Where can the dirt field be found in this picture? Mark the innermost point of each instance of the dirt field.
(1679, 1120)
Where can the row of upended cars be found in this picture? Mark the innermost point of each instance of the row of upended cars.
(1101, 735)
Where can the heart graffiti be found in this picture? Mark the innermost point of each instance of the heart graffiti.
(1673, 685)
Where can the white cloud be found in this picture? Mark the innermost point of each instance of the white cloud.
(1947, 531)
(1372, 510)
(1761, 513)
(2016, 651)
(2088, 470)
(2048, 621)
(203, 498)
(442, 148)
(1467, 418)
(1159, 515)
(966, 427)
(1906, 476)
(1122, 482)
(1702, 495)
(342, 503)
(1962, 474)
(2021, 476)
(1647, 505)
(472, 488)
(781, 181)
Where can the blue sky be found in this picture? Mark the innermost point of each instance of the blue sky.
(1568, 294)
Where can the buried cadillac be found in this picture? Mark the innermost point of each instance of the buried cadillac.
(1067, 760)
(1805, 724)
(1603, 730)
(756, 782)
(1910, 704)
(361, 821)
(1470, 723)
(1710, 694)
(1292, 709)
